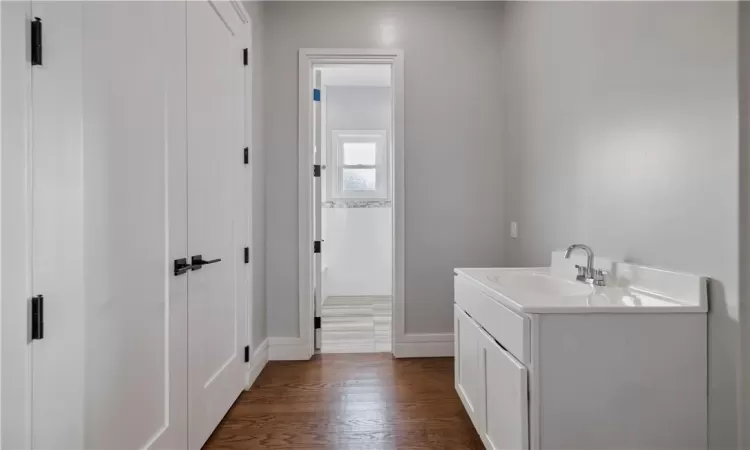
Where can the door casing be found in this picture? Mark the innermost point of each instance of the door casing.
(15, 226)
(308, 58)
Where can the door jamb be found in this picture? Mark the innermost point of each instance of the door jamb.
(307, 58)
(246, 34)
(15, 358)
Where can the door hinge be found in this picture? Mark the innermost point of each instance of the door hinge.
(316, 95)
(37, 317)
(316, 323)
(316, 170)
(36, 42)
(247, 353)
(247, 155)
(316, 246)
(244, 56)
(247, 255)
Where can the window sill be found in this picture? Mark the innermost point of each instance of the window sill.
(357, 203)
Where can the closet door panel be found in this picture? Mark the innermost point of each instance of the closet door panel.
(217, 224)
(109, 218)
(56, 163)
(135, 216)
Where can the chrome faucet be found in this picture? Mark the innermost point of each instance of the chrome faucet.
(587, 274)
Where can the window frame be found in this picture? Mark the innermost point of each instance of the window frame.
(382, 167)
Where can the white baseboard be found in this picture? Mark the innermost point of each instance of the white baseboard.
(424, 345)
(257, 363)
(428, 345)
(288, 349)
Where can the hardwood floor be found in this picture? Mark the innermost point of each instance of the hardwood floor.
(352, 402)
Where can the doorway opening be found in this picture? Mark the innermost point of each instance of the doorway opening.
(353, 116)
(351, 200)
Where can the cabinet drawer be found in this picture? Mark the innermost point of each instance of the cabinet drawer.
(508, 328)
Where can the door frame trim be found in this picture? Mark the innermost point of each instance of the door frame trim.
(15, 241)
(307, 58)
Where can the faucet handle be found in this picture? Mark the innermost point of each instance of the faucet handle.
(581, 273)
(600, 277)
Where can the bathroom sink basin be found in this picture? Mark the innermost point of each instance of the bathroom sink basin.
(627, 288)
(540, 284)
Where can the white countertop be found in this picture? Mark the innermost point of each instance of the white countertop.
(634, 289)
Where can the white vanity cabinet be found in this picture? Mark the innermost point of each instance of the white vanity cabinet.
(492, 385)
(536, 375)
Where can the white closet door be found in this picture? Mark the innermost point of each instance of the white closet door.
(57, 403)
(216, 228)
(109, 219)
(135, 209)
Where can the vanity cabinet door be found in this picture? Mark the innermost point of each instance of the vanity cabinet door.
(466, 356)
(504, 391)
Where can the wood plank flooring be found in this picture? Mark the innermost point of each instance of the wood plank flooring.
(352, 402)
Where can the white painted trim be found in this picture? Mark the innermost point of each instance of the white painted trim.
(398, 194)
(325, 157)
(535, 403)
(307, 58)
(288, 349)
(427, 337)
(239, 8)
(1, 229)
(424, 346)
(247, 36)
(16, 227)
(284, 341)
(257, 362)
(305, 201)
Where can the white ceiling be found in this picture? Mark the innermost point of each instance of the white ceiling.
(357, 75)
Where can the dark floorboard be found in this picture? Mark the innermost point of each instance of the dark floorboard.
(352, 402)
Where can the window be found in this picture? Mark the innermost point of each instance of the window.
(359, 161)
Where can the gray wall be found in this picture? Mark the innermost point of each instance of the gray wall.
(259, 329)
(358, 108)
(452, 148)
(744, 87)
(622, 134)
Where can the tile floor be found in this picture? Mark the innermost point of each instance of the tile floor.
(356, 325)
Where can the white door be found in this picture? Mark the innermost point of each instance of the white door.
(137, 107)
(466, 354)
(504, 402)
(57, 406)
(109, 208)
(216, 228)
